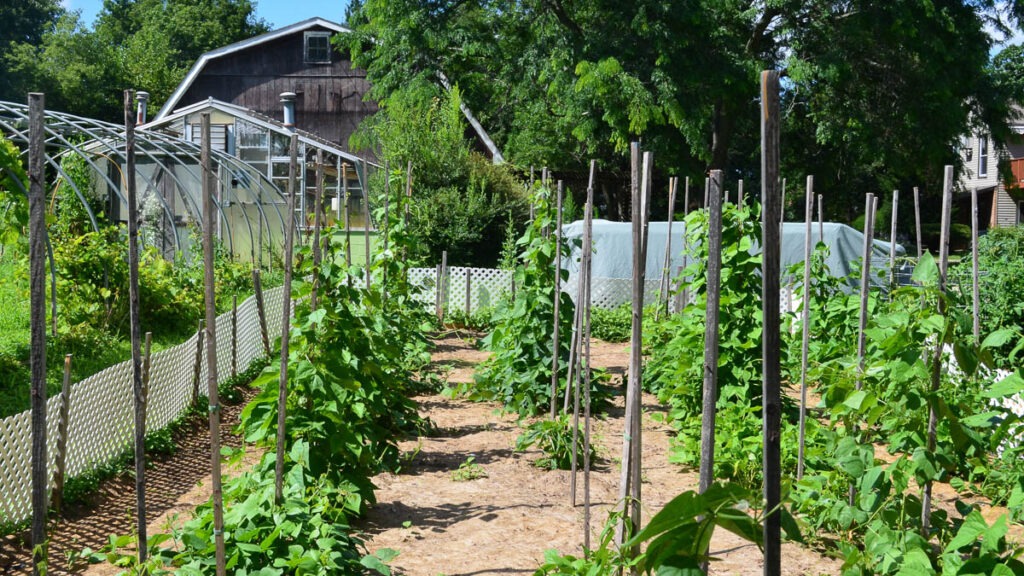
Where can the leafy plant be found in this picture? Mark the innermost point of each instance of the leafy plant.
(555, 439)
(469, 470)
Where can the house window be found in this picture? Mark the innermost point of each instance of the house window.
(318, 47)
(983, 155)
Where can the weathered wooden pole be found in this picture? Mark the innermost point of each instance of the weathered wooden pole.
(135, 327)
(387, 227)
(947, 201)
(437, 291)
(317, 208)
(209, 184)
(145, 373)
(261, 311)
(366, 228)
(707, 192)
(771, 339)
(892, 239)
(805, 325)
(917, 222)
(37, 315)
(588, 250)
(663, 284)
(282, 382)
(782, 201)
(629, 489)
(348, 228)
(197, 366)
(469, 293)
(976, 296)
(714, 293)
(576, 345)
(821, 218)
(739, 193)
(558, 301)
(57, 499)
(865, 285)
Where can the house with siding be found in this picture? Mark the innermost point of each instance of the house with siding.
(1000, 201)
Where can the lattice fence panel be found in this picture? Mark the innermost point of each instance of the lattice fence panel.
(101, 418)
(16, 459)
(486, 285)
(424, 282)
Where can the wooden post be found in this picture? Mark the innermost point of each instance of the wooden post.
(282, 382)
(366, 228)
(469, 293)
(739, 193)
(558, 301)
(444, 283)
(198, 365)
(782, 216)
(892, 239)
(663, 284)
(917, 222)
(588, 242)
(261, 311)
(682, 296)
(771, 338)
(348, 229)
(211, 343)
(317, 208)
(135, 329)
(714, 292)
(387, 226)
(60, 458)
(974, 268)
(629, 488)
(234, 336)
(805, 325)
(707, 192)
(865, 285)
(575, 345)
(37, 314)
(821, 219)
(947, 201)
(437, 291)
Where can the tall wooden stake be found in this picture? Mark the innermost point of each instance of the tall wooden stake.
(282, 382)
(135, 329)
(197, 366)
(442, 287)
(976, 296)
(805, 324)
(714, 288)
(865, 284)
(821, 219)
(771, 336)
(209, 180)
(261, 311)
(629, 489)
(683, 296)
(348, 227)
(663, 285)
(558, 300)
(917, 222)
(588, 250)
(469, 292)
(57, 499)
(947, 201)
(892, 239)
(366, 228)
(37, 315)
(234, 336)
(317, 208)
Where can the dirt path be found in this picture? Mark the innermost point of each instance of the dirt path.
(502, 524)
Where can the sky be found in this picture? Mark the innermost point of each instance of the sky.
(277, 13)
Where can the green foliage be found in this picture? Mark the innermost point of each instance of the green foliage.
(469, 470)
(555, 439)
(461, 200)
(13, 186)
(518, 373)
(613, 325)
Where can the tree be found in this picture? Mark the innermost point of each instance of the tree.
(24, 22)
(877, 92)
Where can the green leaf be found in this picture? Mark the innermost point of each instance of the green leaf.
(927, 271)
(973, 527)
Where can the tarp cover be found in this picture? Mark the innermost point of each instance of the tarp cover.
(613, 248)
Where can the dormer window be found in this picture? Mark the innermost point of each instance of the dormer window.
(317, 48)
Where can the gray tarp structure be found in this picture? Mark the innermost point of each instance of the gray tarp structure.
(613, 253)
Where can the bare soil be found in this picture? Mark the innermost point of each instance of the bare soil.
(503, 523)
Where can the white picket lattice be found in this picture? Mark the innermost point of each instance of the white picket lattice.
(487, 286)
(100, 419)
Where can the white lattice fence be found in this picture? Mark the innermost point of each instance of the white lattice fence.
(100, 420)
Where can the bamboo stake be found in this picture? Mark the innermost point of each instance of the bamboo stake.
(261, 312)
(947, 201)
(211, 344)
(198, 365)
(917, 222)
(282, 382)
(60, 458)
(663, 284)
(135, 329)
(805, 323)
(892, 239)
(558, 301)
(714, 291)
(974, 268)
(771, 336)
(317, 207)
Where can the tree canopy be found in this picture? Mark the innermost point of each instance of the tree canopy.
(876, 93)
